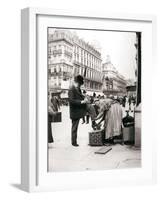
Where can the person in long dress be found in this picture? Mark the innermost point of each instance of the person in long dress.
(111, 112)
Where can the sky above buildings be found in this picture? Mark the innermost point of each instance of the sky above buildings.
(118, 45)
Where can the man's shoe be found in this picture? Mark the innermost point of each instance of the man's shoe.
(94, 125)
(75, 145)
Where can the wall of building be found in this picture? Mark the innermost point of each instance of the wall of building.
(113, 82)
(69, 56)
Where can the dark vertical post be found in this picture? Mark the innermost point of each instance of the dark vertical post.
(138, 34)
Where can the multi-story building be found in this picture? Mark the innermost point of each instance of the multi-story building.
(113, 82)
(131, 88)
(60, 60)
(68, 56)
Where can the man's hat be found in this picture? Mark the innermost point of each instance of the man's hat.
(79, 79)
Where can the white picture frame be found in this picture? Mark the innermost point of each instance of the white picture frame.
(34, 175)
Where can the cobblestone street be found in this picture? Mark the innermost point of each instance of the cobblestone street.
(65, 157)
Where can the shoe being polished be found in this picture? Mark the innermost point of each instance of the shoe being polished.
(75, 145)
(96, 126)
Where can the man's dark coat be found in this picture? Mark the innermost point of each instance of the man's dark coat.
(77, 110)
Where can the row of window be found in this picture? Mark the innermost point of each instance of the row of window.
(92, 85)
(68, 57)
(89, 74)
(85, 60)
(62, 47)
(88, 84)
(80, 55)
(88, 61)
(60, 35)
(83, 51)
(61, 68)
(60, 58)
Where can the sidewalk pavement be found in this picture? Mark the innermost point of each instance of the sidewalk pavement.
(65, 157)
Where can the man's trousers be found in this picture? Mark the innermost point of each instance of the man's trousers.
(75, 123)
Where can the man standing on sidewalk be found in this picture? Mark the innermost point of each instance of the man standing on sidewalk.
(78, 107)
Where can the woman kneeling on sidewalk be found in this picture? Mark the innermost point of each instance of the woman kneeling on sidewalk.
(110, 112)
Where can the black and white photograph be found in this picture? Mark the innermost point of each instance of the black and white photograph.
(94, 99)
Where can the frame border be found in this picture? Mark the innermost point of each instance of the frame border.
(29, 144)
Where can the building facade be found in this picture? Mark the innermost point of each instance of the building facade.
(68, 56)
(113, 82)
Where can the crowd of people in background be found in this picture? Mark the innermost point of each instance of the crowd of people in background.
(127, 102)
(108, 111)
